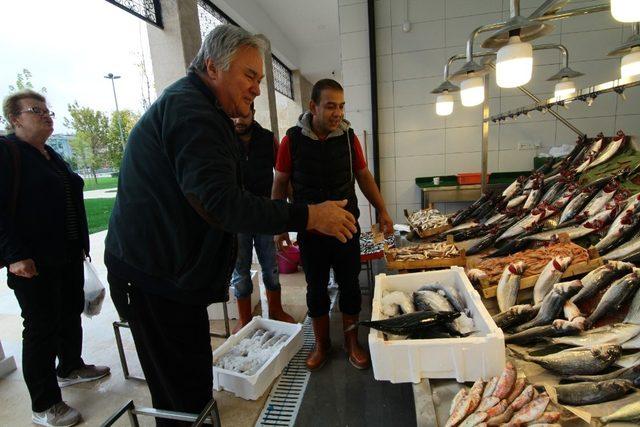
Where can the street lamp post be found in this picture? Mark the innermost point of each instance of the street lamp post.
(111, 77)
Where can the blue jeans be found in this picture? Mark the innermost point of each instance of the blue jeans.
(266, 250)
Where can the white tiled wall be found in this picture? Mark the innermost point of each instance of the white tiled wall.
(414, 142)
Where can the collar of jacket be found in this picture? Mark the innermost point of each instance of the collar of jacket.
(304, 122)
(202, 87)
(14, 138)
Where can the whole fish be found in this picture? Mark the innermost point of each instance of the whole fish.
(509, 285)
(474, 419)
(538, 333)
(460, 216)
(552, 304)
(525, 397)
(549, 276)
(394, 301)
(475, 395)
(488, 403)
(576, 204)
(618, 233)
(534, 217)
(569, 192)
(506, 381)
(600, 200)
(585, 361)
(570, 310)
(476, 276)
(501, 419)
(552, 193)
(514, 187)
(457, 398)
(463, 226)
(460, 411)
(628, 360)
(511, 247)
(616, 333)
(631, 373)
(597, 279)
(489, 387)
(450, 292)
(630, 412)
(590, 155)
(516, 201)
(497, 409)
(534, 196)
(407, 324)
(597, 222)
(625, 251)
(610, 151)
(592, 392)
(516, 390)
(633, 316)
(530, 411)
(616, 295)
(431, 301)
(515, 315)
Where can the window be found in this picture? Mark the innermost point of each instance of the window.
(210, 17)
(147, 10)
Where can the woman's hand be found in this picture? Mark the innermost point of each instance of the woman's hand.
(25, 268)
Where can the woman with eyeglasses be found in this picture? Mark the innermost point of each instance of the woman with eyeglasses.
(43, 241)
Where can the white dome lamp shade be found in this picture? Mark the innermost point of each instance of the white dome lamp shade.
(444, 100)
(565, 87)
(514, 64)
(630, 53)
(472, 91)
(625, 10)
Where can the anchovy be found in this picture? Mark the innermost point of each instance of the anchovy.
(611, 149)
(552, 304)
(585, 361)
(515, 315)
(509, 285)
(625, 251)
(600, 277)
(616, 333)
(615, 296)
(407, 324)
(538, 333)
(630, 412)
(632, 374)
(592, 392)
(549, 276)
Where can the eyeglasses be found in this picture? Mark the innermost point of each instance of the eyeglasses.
(39, 111)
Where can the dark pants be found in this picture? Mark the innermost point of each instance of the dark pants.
(51, 304)
(321, 253)
(174, 347)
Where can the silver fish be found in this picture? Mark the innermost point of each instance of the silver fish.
(590, 155)
(516, 201)
(552, 304)
(600, 200)
(615, 296)
(631, 373)
(590, 393)
(431, 300)
(630, 412)
(579, 361)
(524, 224)
(549, 276)
(616, 333)
(565, 197)
(570, 310)
(633, 316)
(509, 285)
(624, 224)
(512, 189)
(450, 292)
(600, 277)
(538, 333)
(628, 360)
(533, 198)
(610, 151)
(624, 251)
(515, 315)
(576, 204)
(595, 223)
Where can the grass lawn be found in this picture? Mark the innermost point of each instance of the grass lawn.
(103, 183)
(98, 213)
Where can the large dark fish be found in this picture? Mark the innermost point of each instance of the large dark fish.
(578, 361)
(515, 315)
(412, 323)
(552, 304)
(460, 216)
(559, 328)
(632, 374)
(597, 279)
(616, 295)
(488, 240)
(511, 247)
(592, 392)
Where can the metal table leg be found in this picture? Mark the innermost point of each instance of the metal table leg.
(123, 357)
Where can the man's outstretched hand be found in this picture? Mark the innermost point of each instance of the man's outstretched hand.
(331, 219)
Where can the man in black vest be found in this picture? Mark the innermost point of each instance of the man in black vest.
(322, 158)
(259, 150)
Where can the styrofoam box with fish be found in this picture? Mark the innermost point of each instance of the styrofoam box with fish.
(253, 386)
(481, 355)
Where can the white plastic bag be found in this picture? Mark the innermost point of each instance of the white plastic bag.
(94, 291)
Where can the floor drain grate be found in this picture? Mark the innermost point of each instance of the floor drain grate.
(283, 403)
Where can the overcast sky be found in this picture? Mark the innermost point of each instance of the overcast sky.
(69, 45)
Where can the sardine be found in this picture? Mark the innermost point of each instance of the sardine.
(597, 279)
(530, 411)
(407, 324)
(509, 285)
(515, 315)
(474, 419)
(625, 251)
(506, 381)
(630, 412)
(570, 310)
(616, 295)
(538, 333)
(589, 393)
(610, 150)
(616, 333)
(549, 276)
(552, 304)
(579, 361)
(631, 373)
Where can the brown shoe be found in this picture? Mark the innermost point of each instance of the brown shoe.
(245, 313)
(276, 312)
(320, 352)
(358, 356)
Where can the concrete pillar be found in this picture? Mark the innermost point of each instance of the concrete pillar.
(301, 89)
(174, 47)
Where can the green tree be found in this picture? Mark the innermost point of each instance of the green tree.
(92, 136)
(23, 81)
(115, 147)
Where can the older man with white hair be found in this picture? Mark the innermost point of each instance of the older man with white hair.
(171, 246)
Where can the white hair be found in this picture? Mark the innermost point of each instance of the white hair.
(221, 45)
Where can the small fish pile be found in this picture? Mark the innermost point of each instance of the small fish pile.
(425, 219)
(252, 352)
(432, 311)
(424, 251)
(369, 246)
(504, 400)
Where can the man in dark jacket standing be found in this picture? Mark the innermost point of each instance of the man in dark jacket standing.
(170, 244)
(323, 159)
(258, 149)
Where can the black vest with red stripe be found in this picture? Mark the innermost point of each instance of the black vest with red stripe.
(258, 161)
(323, 170)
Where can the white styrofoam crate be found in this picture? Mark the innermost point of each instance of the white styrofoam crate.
(254, 386)
(215, 311)
(465, 359)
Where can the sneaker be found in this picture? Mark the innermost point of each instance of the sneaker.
(84, 374)
(59, 415)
